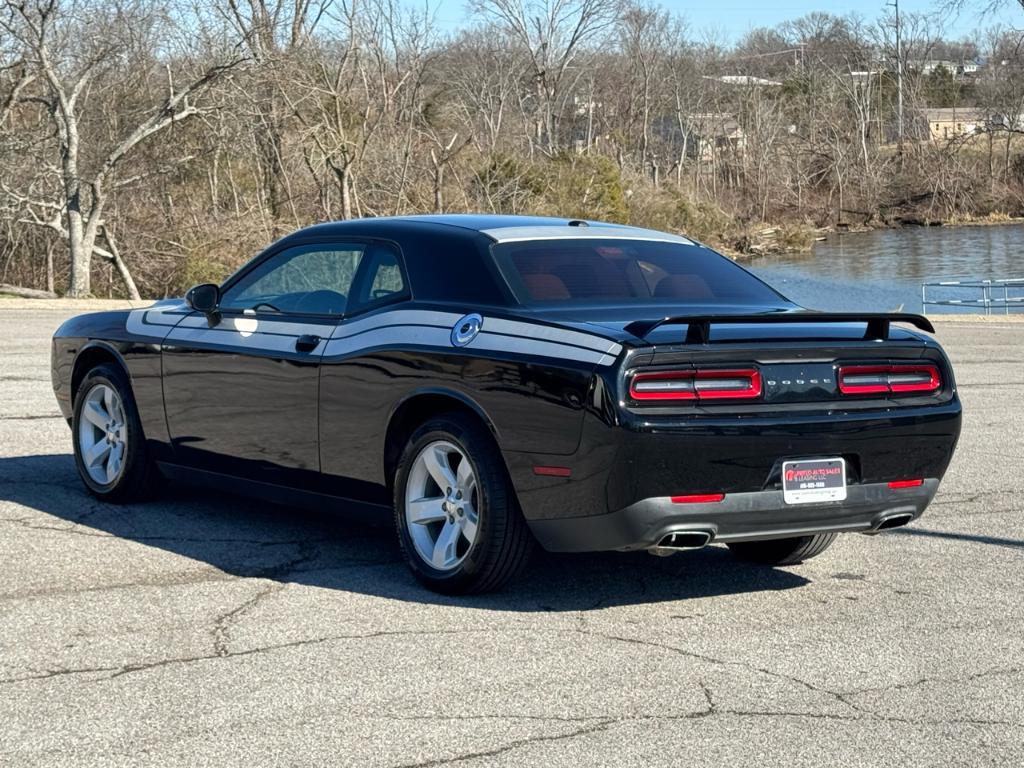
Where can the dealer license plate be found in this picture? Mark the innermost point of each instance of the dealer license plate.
(813, 481)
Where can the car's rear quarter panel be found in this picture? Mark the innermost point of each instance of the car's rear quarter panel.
(531, 406)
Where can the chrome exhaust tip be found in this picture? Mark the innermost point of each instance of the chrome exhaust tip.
(888, 522)
(678, 541)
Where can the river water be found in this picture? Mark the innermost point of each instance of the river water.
(883, 269)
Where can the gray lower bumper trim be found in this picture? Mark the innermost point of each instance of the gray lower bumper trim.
(738, 517)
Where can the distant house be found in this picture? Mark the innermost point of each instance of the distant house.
(704, 136)
(955, 68)
(712, 134)
(584, 106)
(945, 123)
(1006, 122)
(748, 80)
(864, 76)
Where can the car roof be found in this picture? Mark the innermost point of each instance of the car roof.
(502, 228)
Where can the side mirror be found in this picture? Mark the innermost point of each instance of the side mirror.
(204, 298)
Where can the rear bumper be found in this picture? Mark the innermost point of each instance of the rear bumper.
(618, 466)
(738, 517)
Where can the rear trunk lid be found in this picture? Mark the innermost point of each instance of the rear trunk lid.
(743, 362)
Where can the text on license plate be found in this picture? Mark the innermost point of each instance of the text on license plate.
(813, 481)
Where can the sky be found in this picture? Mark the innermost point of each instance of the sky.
(730, 19)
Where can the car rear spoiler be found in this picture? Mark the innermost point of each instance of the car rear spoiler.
(699, 326)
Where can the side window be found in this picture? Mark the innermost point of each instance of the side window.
(382, 281)
(306, 279)
(387, 280)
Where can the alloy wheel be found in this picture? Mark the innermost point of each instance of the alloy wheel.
(103, 434)
(442, 505)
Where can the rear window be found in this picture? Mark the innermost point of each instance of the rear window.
(625, 272)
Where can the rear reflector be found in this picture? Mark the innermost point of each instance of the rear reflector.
(906, 483)
(708, 384)
(698, 498)
(552, 471)
(886, 379)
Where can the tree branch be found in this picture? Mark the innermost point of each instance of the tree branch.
(175, 109)
(7, 106)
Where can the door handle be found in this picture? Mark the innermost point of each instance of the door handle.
(306, 343)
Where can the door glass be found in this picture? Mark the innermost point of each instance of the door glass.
(381, 280)
(306, 279)
(387, 279)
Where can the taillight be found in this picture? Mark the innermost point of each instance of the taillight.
(709, 384)
(886, 379)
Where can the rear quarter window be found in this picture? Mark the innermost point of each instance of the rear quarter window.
(452, 267)
(624, 272)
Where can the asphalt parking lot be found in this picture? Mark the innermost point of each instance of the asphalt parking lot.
(207, 630)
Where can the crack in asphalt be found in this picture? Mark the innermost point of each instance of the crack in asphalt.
(125, 669)
(602, 724)
(29, 522)
(716, 661)
(222, 625)
(842, 697)
(438, 718)
(181, 578)
(589, 725)
(206, 575)
(221, 650)
(867, 716)
(958, 515)
(929, 679)
(308, 552)
(947, 499)
(998, 454)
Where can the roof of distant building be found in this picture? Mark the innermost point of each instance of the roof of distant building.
(742, 80)
(952, 114)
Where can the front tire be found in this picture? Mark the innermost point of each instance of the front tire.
(783, 551)
(110, 449)
(458, 521)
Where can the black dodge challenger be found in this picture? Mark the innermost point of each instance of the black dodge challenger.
(500, 381)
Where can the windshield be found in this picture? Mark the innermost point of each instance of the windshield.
(612, 271)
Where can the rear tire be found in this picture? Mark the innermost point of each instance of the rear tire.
(458, 520)
(111, 454)
(783, 551)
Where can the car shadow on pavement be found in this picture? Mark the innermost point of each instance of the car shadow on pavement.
(337, 549)
(995, 541)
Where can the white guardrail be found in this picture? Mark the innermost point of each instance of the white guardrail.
(1003, 293)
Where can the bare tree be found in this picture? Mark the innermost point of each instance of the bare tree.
(122, 142)
(484, 70)
(647, 35)
(21, 78)
(552, 32)
(347, 95)
(984, 7)
(51, 33)
(274, 32)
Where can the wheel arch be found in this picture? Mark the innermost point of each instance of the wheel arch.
(89, 356)
(415, 409)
